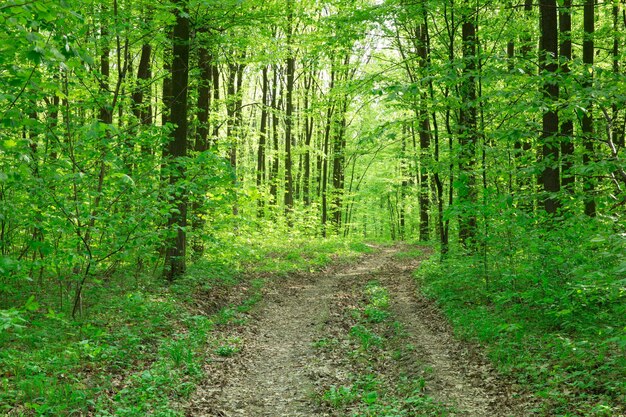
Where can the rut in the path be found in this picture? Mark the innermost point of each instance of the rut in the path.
(270, 377)
(276, 373)
(461, 376)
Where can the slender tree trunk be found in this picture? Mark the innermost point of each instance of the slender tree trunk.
(204, 99)
(275, 150)
(425, 138)
(289, 116)
(203, 109)
(339, 158)
(308, 136)
(587, 122)
(177, 148)
(260, 173)
(550, 123)
(567, 126)
(468, 131)
(326, 156)
(215, 74)
(526, 183)
(618, 128)
(141, 98)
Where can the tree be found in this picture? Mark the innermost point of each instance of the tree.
(548, 65)
(176, 150)
(468, 134)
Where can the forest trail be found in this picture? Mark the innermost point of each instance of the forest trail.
(278, 371)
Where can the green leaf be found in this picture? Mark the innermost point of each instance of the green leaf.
(31, 304)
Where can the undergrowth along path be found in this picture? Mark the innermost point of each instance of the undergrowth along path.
(275, 369)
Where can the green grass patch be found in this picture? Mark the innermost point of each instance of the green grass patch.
(377, 345)
(139, 346)
(553, 316)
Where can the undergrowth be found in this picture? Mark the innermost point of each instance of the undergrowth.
(377, 345)
(139, 346)
(550, 308)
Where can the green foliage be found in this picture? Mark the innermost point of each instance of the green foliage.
(141, 348)
(550, 307)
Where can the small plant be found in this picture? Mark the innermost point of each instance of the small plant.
(323, 343)
(366, 337)
(229, 347)
(338, 397)
(378, 295)
(226, 350)
(179, 352)
(375, 315)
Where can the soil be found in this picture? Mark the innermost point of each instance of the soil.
(278, 371)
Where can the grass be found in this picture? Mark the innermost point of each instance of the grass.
(139, 347)
(552, 316)
(378, 387)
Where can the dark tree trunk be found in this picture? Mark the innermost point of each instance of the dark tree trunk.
(291, 61)
(275, 151)
(326, 156)
(548, 63)
(203, 109)
(618, 126)
(308, 136)
(204, 99)
(231, 107)
(215, 73)
(339, 159)
(141, 99)
(106, 112)
(525, 181)
(567, 126)
(425, 138)
(260, 173)
(177, 147)
(468, 131)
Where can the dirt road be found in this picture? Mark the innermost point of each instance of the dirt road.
(279, 372)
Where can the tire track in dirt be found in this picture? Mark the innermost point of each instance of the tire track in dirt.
(460, 374)
(274, 375)
(278, 371)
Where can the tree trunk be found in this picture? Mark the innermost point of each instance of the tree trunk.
(308, 136)
(275, 151)
(425, 137)
(141, 107)
(326, 156)
(567, 126)
(177, 147)
(587, 122)
(202, 143)
(260, 173)
(289, 117)
(468, 131)
(550, 122)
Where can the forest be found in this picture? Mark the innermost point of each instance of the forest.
(427, 174)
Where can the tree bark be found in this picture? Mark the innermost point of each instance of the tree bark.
(177, 148)
(260, 173)
(567, 126)
(289, 110)
(550, 121)
(468, 132)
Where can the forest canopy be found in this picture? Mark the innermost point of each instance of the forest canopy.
(138, 137)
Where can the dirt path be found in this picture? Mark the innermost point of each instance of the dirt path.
(278, 369)
(461, 375)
